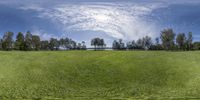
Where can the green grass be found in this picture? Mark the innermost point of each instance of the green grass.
(100, 75)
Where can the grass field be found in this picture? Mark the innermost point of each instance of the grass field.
(100, 75)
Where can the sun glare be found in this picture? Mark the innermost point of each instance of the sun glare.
(102, 18)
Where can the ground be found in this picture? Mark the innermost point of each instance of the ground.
(100, 75)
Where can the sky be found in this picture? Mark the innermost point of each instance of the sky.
(83, 20)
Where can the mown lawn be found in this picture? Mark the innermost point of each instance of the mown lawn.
(100, 75)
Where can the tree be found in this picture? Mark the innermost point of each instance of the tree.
(1, 41)
(146, 42)
(157, 41)
(189, 41)
(97, 42)
(68, 44)
(83, 45)
(181, 41)
(45, 45)
(196, 46)
(94, 43)
(7, 41)
(53, 44)
(167, 37)
(139, 44)
(131, 45)
(157, 45)
(102, 44)
(118, 45)
(121, 44)
(62, 43)
(36, 42)
(73, 44)
(79, 46)
(115, 45)
(28, 41)
(19, 43)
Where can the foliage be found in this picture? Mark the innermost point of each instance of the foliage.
(44, 45)
(7, 41)
(181, 41)
(98, 43)
(118, 45)
(36, 42)
(189, 41)
(146, 42)
(53, 44)
(28, 41)
(131, 45)
(19, 43)
(196, 45)
(167, 37)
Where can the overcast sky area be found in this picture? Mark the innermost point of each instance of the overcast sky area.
(83, 20)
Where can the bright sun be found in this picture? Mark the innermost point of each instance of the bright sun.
(102, 18)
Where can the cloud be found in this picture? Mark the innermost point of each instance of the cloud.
(32, 7)
(118, 20)
(44, 35)
(53, 2)
(121, 19)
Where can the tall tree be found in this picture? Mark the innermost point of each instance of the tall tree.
(167, 37)
(102, 44)
(147, 42)
(1, 42)
(157, 45)
(95, 42)
(115, 45)
(7, 43)
(189, 41)
(62, 43)
(139, 44)
(36, 42)
(181, 40)
(19, 43)
(121, 44)
(28, 41)
(83, 45)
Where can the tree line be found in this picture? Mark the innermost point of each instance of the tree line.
(30, 42)
(168, 40)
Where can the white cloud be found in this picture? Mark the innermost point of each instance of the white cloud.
(124, 20)
(47, 2)
(43, 35)
(32, 7)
